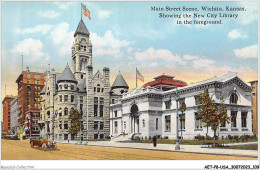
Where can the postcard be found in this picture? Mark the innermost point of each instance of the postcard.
(127, 81)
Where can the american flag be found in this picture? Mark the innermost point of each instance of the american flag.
(139, 76)
(86, 12)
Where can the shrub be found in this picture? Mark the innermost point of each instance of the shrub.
(165, 137)
(200, 137)
(236, 138)
(209, 138)
(137, 138)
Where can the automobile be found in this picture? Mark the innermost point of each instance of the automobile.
(43, 143)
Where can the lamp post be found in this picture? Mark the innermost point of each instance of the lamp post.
(177, 97)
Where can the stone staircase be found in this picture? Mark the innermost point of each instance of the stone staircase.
(122, 137)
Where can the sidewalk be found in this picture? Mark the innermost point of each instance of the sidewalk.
(203, 149)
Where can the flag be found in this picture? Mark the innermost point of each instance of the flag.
(139, 76)
(86, 12)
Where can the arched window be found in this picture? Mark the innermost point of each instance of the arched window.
(233, 98)
(48, 114)
(60, 112)
(66, 111)
(134, 110)
(98, 88)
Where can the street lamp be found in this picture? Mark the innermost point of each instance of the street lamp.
(177, 97)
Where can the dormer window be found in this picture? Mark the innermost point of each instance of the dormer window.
(72, 87)
(65, 86)
(233, 98)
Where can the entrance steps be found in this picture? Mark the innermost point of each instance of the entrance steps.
(122, 137)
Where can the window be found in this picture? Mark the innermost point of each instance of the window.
(113, 101)
(60, 112)
(95, 125)
(116, 127)
(60, 87)
(60, 98)
(81, 109)
(168, 104)
(65, 136)
(198, 121)
(48, 114)
(101, 136)
(72, 98)
(60, 124)
(115, 113)
(233, 98)
(157, 121)
(65, 124)
(66, 111)
(66, 86)
(243, 119)
(95, 106)
(182, 121)
(197, 100)
(101, 126)
(95, 136)
(101, 107)
(124, 125)
(102, 90)
(66, 98)
(94, 89)
(233, 118)
(168, 123)
(98, 88)
(81, 76)
(71, 87)
(81, 99)
(182, 100)
(143, 123)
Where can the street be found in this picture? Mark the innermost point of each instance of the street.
(21, 150)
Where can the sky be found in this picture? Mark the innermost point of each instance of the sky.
(126, 35)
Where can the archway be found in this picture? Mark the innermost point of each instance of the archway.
(134, 117)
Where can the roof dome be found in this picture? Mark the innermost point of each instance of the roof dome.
(119, 82)
(81, 29)
(67, 75)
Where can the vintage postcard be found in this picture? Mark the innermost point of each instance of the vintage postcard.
(129, 80)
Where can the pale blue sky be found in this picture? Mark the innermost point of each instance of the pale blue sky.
(126, 35)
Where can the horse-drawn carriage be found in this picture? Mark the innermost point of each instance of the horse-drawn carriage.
(44, 143)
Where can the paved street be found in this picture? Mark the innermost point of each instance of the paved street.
(21, 150)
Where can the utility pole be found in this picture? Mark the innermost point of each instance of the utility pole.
(177, 97)
(22, 63)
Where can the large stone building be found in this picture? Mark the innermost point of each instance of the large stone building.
(78, 88)
(254, 85)
(6, 113)
(151, 111)
(14, 114)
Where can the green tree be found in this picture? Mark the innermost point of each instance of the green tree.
(76, 124)
(182, 109)
(212, 114)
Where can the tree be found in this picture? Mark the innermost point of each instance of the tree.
(213, 114)
(76, 124)
(182, 109)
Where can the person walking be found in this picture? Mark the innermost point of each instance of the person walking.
(154, 141)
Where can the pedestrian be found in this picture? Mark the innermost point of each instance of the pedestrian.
(154, 141)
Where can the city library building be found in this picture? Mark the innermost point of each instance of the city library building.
(151, 110)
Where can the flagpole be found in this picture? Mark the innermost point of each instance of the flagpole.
(136, 76)
(81, 10)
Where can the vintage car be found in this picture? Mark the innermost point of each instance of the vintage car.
(44, 143)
